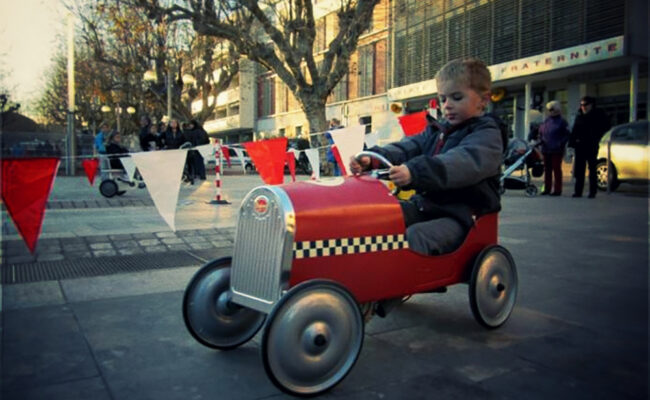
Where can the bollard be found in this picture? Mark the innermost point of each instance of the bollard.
(217, 180)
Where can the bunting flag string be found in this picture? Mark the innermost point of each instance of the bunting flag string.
(291, 162)
(26, 186)
(314, 162)
(90, 168)
(268, 156)
(162, 173)
(348, 142)
(413, 124)
(129, 167)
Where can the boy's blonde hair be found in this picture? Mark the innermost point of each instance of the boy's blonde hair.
(468, 71)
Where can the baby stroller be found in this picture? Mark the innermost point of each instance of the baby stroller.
(527, 160)
(114, 177)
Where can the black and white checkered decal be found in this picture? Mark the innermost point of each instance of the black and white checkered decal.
(358, 245)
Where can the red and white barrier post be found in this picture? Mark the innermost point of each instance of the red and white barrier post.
(217, 180)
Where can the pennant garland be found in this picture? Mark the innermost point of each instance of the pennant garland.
(240, 156)
(26, 186)
(90, 168)
(162, 171)
(413, 124)
(206, 151)
(129, 167)
(347, 143)
(226, 154)
(269, 159)
(372, 139)
(314, 162)
(290, 158)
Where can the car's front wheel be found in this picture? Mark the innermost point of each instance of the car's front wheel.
(602, 172)
(210, 315)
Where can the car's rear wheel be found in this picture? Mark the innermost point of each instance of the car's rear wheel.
(493, 287)
(313, 338)
(210, 315)
(601, 174)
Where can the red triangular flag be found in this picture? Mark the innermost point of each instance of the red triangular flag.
(413, 124)
(337, 156)
(268, 157)
(90, 166)
(26, 185)
(226, 155)
(291, 162)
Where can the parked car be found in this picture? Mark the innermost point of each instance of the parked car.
(629, 155)
(236, 162)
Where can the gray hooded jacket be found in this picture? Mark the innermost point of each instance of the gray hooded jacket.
(462, 180)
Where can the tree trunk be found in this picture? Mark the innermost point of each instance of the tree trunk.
(314, 109)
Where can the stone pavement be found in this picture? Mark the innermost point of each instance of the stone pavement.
(579, 330)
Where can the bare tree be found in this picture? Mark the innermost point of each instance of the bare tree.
(279, 35)
(127, 43)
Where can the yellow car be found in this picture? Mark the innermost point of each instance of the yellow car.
(629, 155)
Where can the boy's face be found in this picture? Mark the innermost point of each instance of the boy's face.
(459, 102)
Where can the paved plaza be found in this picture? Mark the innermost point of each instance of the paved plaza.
(95, 313)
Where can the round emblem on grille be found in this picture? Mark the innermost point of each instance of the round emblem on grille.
(261, 205)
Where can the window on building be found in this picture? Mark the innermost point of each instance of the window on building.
(298, 131)
(340, 92)
(220, 112)
(282, 97)
(367, 121)
(319, 41)
(366, 69)
(233, 108)
(281, 132)
(266, 96)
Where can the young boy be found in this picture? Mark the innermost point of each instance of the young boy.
(455, 173)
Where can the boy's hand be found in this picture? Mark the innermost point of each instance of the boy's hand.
(400, 175)
(357, 166)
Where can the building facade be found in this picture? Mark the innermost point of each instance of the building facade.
(537, 50)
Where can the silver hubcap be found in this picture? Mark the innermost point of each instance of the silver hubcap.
(601, 172)
(496, 288)
(314, 339)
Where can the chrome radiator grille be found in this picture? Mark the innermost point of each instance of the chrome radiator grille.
(263, 244)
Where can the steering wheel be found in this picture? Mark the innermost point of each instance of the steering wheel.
(378, 173)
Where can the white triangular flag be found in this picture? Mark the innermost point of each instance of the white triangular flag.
(162, 172)
(129, 167)
(349, 142)
(206, 151)
(372, 139)
(240, 155)
(312, 156)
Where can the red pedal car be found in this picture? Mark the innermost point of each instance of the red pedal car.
(310, 261)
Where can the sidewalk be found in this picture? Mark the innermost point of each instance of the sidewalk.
(579, 329)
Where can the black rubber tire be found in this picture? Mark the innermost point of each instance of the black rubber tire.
(108, 188)
(601, 174)
(214, 321)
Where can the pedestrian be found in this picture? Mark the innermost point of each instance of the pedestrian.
(145, 137)
(455, 172)
(332, 150)
(100, 138)
(174, 136)
(590, 125)
(554, 134)
(197, 136)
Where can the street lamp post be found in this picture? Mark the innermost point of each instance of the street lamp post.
(151, 76)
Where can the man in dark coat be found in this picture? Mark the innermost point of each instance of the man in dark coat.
(145, 137)
(590, 125)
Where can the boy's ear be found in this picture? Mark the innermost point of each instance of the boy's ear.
(485, 99)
